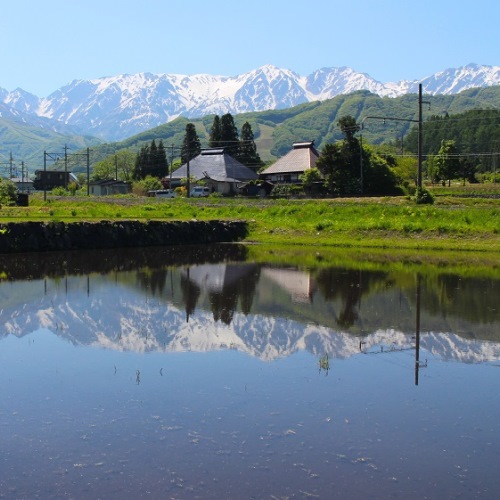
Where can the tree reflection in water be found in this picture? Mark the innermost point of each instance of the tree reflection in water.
(220, 279)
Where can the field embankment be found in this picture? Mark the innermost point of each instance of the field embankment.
(466, 224)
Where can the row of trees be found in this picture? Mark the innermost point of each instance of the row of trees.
(151, 160)
(459, 145)
(125, 165)
(350, 169)
(344, 167)
(224, 134)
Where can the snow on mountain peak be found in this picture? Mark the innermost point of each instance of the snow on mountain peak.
(145, 100)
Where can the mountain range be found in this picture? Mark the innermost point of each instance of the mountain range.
(117, 107)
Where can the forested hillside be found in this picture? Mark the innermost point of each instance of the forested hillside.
(275, 131)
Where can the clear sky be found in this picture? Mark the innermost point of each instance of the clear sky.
(47, 44)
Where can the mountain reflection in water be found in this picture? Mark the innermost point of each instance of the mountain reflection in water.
(199, 373)
(199, 299)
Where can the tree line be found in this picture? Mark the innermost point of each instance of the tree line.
(349, 168)
(459, 146)
(345, 167)
(151, 160)
(224, 134)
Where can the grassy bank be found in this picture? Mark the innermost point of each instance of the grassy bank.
(450, 224)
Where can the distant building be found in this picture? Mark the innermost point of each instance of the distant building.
(45, 180)
(219, 171)
(109, 187)
(290, 167)
(23, 184)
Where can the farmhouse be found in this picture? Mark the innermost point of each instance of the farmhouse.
(219, 171)
(290, 167)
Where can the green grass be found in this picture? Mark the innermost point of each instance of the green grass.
(460, 190)
(451, 223)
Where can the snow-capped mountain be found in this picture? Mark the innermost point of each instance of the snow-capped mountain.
(120, 106)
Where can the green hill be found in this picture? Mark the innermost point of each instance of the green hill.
(27, 144)
(275, 130)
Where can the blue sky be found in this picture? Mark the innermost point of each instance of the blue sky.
(47, 44)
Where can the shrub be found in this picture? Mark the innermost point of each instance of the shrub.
(281, 190)
(423, 197)
(59, 191)
(8, 192)
(149, 183)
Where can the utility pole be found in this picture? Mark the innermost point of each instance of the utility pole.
(361, 163)
(171, 164)
(420, 141)
(419, 122)
(65, 166)
(188, 183)
(420, 135)
(88, 171)
(44, 175)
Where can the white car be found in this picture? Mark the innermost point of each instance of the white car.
(163, 193)
(199, 191)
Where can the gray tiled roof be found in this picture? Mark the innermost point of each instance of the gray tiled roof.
(302, 157)
(217, 165)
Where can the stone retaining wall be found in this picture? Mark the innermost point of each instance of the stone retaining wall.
(50, 236)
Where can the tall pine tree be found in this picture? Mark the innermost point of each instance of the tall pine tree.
(153, 158)
(191, 145)
(229, 135)
(215, 133)
(141, 163)
(248, 150)
(161, 165)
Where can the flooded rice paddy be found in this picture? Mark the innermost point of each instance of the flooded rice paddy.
(189, 373)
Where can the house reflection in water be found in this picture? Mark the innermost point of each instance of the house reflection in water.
(225, 284)
(298, 284)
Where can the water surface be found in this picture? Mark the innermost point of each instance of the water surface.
(188, 373)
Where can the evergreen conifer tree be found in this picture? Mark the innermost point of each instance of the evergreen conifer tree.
(159, 161)
(152, 159)
(215, 133)
(229, 135)
(191, 146)
(248, 150)
(141, 163)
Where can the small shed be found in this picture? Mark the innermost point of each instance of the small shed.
(109, 187)
(23, 184)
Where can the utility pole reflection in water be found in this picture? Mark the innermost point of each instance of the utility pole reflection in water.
(417, 331)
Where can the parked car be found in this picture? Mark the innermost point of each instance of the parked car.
(163, 193)
(199, 191)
